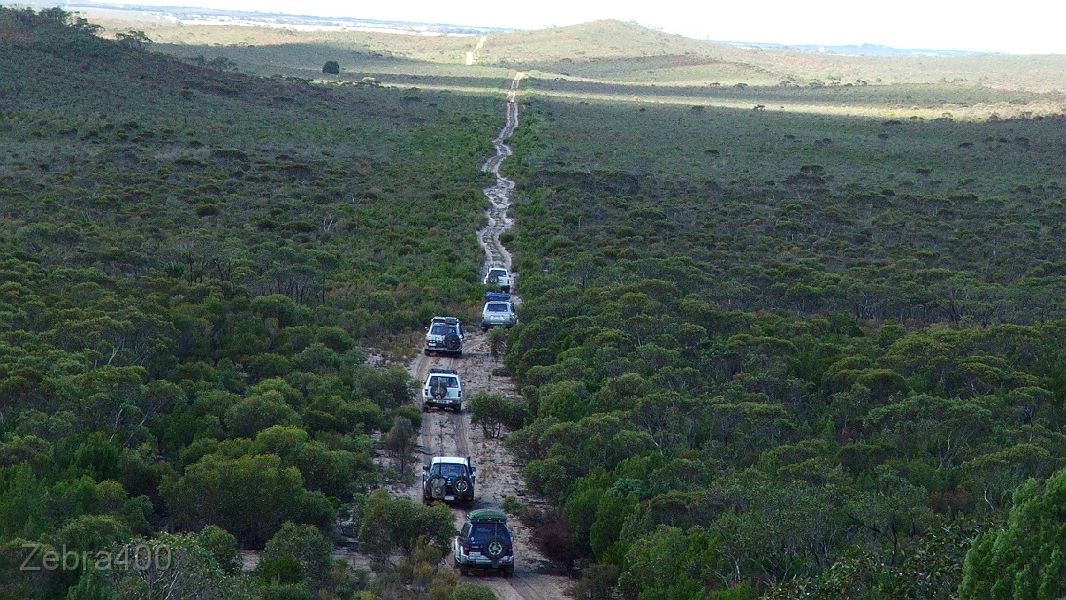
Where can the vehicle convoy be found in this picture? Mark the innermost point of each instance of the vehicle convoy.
(484, 542)
(499, 277)
(449, 479)
(443, 389)
(444, 336)
(498, 314)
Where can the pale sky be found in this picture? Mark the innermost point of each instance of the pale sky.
(1021, 26)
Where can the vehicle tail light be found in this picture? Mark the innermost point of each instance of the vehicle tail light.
(466, 547)
(510, 551)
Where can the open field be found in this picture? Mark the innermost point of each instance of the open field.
(608, 59)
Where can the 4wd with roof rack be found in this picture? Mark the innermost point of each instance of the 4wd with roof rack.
(445, 336)
(443, 389)
(449, 479)
(484, 542)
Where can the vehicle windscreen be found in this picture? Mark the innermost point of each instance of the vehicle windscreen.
(483, 532)
(445, 381)
(442, 329)
(498, 307)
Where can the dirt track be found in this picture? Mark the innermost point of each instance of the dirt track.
(499, 193)
(448, 434)
(445, 433)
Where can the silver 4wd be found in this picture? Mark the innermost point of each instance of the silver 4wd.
(444, 336)
(443, 389)
(484, 542)
(449, 479)
(498, 276)
(498, 314)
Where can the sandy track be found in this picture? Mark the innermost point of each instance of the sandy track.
(446, 433)
(499, 193)
(499, 475)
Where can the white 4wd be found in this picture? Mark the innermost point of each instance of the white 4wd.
(498, 314)
(444, 336)
(443, 389)
(498, 276)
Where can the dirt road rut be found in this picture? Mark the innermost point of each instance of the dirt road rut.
(499, 193)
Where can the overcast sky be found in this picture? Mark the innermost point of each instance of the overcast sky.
(1021, 26)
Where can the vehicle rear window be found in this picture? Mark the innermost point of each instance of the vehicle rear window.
(449, 469)
(442, 329)
(498, 307)
(483, 532)
(448, 381)
(498, 272)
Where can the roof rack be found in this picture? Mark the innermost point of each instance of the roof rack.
(446, 371)
(448, 320)
(487, 515)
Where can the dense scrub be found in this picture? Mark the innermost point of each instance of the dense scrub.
(191, 265)
(799, 375)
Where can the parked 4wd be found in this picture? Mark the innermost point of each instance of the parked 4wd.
(449, 479)
(443, 389)
(444, 336)
(484, 542)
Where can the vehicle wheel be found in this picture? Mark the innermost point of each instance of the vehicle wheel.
(508, 571)
(494, 549)
(427, 352)
(458, 408)
(464, 570)
(484, 328)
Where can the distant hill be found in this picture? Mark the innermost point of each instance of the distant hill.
(627, 52)
(608, 51)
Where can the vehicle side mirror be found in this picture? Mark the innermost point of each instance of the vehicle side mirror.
(425, 468)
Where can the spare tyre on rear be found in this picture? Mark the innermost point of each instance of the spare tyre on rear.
(452, 342)
(495, 548)
(437, 487)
